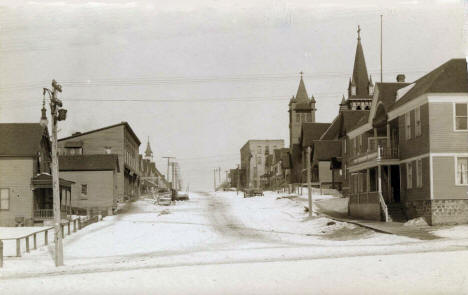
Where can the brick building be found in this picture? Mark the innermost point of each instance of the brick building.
(253, 157)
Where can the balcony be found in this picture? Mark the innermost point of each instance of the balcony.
(378, 150)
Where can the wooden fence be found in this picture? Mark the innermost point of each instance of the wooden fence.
(66, 227)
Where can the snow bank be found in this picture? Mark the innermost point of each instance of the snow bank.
(420, 221)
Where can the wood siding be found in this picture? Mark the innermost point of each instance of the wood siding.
(16, 174)
(443, 137)
(416, 145)
(444, 180)
(415, 193)
(95, 143)
(100, 188)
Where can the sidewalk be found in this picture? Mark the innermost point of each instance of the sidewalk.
(396, 228)
(422, 232)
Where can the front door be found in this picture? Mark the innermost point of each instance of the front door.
(395, 182)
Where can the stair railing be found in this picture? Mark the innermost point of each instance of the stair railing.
(383, 206)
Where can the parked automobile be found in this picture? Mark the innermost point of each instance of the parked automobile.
(252, 192)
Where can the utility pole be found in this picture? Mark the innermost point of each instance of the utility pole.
(167, 173)
(238, 179)
(381, 49)
(309, 188)
(58, 114)
(214, 178)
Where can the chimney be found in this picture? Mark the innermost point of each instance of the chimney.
(400, 78)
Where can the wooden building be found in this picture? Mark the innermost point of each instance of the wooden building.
(410, 158)
(116, 139)
(25, 180)
(95, 178)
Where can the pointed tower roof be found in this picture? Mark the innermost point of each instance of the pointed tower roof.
(360, 77)
(343, 100)
(301, 91)
(148, 151)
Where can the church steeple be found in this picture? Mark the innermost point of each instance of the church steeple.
(360, 78)
(148, 151)
(301, 94)
(44, 122)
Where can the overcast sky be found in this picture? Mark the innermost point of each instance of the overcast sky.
(200, 78)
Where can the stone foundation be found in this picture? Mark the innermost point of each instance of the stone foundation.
(438, 212)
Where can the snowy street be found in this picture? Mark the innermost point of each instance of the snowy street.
(226, 244)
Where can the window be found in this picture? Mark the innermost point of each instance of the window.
(84, 189)
(417, 121)
(259, 161)
(409, 175)
(298, 118)
(309, 117)
(108, 149)
(259, 149)
(353, 90)
(267, 150)
(344, 146)
(419, 173)
(461, 116)
(4, 198)
(462, 170)
(408, 125)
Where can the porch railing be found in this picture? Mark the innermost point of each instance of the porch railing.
(378, 149)
(45, 214)
(370, 198)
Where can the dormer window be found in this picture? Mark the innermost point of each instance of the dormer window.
(353, 90)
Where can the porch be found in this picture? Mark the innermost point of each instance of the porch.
(43, 198)
(375, 194)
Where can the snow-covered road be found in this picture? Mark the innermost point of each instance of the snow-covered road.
(219, 243)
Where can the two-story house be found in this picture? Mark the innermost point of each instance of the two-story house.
(25, 179)
(410, 158)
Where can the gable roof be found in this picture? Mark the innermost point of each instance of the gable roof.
(123, 123)
(325, 150)
(343, 123)
(450, 77)
(311, 132)
(101, 162)
(21, 139)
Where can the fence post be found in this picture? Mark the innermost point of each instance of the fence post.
(79, 223)
(27, 244)
(74, 225)
(35, 241)
(18, 248)
(63, 231)
(1, 253)
(68, 225)
(46, 237)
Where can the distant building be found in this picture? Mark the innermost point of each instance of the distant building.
(301, 110)
(25, 181)
(253, 158)
(95, 178)
(116, 139)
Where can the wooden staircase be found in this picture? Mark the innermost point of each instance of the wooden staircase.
(396, 212)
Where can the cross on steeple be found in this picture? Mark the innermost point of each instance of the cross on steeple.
(359, 32)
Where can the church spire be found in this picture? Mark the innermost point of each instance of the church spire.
(301, 91)
(360, 77)
(44, 122)
(148, 152)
